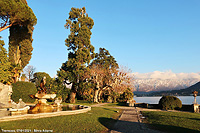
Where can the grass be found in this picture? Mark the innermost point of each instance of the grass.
(173, 121)
(115, 105)
(96, 120)
(78, 102)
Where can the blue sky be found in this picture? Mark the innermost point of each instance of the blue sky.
(144, 35)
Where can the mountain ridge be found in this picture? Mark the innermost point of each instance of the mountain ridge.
(164, 81)
(183, 92)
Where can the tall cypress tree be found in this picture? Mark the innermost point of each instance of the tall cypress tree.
(80, 49)
(20, 19)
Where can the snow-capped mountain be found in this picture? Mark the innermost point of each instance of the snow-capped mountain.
(158, 81)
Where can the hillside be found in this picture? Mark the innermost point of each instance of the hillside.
(183, 92)
(164, 81)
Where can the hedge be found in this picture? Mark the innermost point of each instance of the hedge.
(22, 90)
(170, 103)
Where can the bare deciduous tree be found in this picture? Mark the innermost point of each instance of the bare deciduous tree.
(29, 71)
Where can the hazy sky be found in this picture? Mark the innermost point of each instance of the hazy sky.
(145, 35)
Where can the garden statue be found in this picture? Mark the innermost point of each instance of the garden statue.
(195, 95)
(42, 86)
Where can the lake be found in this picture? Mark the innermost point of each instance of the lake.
(155, 100)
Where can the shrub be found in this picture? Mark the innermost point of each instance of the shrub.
(21, 90)
(60, 90)
(170, 103)
(127, 95)
(114, 95)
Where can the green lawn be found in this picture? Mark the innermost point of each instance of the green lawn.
(173, 121)
(115, 105)
(78, 102)
(96, 120)
(82, 102)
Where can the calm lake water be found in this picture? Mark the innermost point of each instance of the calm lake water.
(155, 100)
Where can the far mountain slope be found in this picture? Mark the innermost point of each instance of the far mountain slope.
(183, 92)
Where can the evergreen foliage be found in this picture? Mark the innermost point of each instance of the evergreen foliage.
(126, 95)
(23, 77)
(80, 49)
(105, 59)
(20, 19)
(22, 90)
(60, 89)
(38, 76)
(5, 73)
(16, 12)
(170, 103)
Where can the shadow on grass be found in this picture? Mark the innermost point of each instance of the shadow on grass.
(196, 119)
(107, 122)
(121, 104)
(121, 126)
(129, 127)
(172, 129)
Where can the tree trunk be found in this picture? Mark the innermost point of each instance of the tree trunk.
(99, 95)
(72, 94)
(15, 76)
(95, 100)
(17, 56)
(72, 97)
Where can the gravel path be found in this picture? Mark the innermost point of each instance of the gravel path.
(131, 122)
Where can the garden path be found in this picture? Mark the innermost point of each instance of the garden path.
(130, 121)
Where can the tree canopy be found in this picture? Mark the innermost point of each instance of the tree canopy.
(15, 12)
(105, 59)
(80, 49)
(102, 70)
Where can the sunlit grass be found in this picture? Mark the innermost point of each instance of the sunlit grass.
(86, 122)
(115, 105)
(173, 121)
(78, 102)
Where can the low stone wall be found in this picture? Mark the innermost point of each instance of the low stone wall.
(185, 107)
(44, 115)
(142, 105)
(5, 95)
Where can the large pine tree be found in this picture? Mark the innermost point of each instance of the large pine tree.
(15, 12)
(80, 49)
(20, 19)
